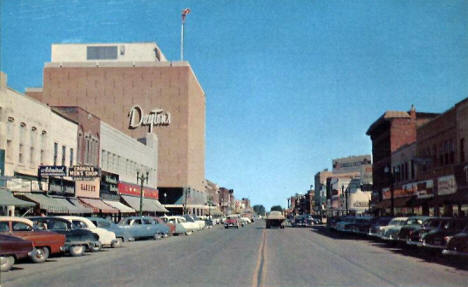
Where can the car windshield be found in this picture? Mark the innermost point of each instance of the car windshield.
(415, 221)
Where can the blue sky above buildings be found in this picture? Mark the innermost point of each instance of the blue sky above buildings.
(289, 84)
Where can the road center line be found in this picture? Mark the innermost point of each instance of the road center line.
(259, 273)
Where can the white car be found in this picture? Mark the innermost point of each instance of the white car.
(245, 220)
(391, 230)
(106, 237)
(201, 223)
(189, 226)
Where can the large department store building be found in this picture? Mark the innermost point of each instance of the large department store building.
(132, 87)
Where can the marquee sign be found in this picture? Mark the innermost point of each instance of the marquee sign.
(84, 172)
(52, 170)
(156, 117)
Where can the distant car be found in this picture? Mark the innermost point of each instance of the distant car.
(178, 227)
(362, 224)
(171, 226)
(245, 220)
(189, 226)
(77, 240)
(346, 224)
(413, 223)
(379, 225)
(106, 237)
(232, 221)
(144, 227)
(390, 232)
(275, 219)
(13, 248)
(121, 234)
(45, 242)
(438, 239)
(415, 235)
(458, 244)
(192, 218)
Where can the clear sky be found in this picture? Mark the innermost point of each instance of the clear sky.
(289, 85)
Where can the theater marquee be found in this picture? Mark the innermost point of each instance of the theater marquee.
(156, 117)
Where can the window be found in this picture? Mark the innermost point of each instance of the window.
(101, 53)
(412, 170)
(406, 170)
(21, 142)
(462, 150)
(55, 153)
(71, 157)
(64, 153)
(4, 226)
(20, 226)
(10, 128)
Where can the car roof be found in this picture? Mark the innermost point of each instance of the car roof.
(16, 218)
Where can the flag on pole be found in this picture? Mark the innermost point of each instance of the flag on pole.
(185, 12)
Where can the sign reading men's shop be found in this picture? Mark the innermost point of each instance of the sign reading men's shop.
(156, 117)
(84, 172)
(52, 170)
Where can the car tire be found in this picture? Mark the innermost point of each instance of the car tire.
(41, 255)
(157, 236)
(6, 262)
(188, 233)
(117, 243)
(97, 247)
(77, 250)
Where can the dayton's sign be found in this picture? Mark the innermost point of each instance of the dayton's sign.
(156, 117)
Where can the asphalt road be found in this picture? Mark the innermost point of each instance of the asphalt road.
(251, 256)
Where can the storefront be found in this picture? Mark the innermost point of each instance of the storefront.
(10, 205)
(150, 204)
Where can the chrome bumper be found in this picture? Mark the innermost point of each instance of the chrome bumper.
(453, 252)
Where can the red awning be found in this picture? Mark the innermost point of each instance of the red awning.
(98, 205)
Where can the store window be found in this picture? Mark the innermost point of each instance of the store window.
(55, 153)
(71, 157)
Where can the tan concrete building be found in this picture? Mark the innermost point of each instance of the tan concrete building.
(135, 89)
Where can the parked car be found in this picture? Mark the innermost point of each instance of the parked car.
(245, 221)
(192, 218)
(121, 234)
(77, 240)
(171, 226)
(390, 232)
(13, 248)
(415, 235)
(302, 221)
(458, 244)
(232, 221)
(413, 223)
(144, 227)
(379, 225)
(346, 224)
(45, 242)
(437, 239)
(106, 237)
(189, 226)
(362, 224)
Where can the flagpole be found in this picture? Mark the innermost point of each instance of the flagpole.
(182, 40)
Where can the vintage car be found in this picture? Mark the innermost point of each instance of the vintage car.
(362, 224)
(390, 232)
(13, 248)
(301, 221)
(191, 218)
(106, 237)
(45, 242)
(245, 220)
(144, 227)
(346, 224)
(274, 219)
(413, 223)
(171, 226)
(181, 224)
(381, 222)
(77, 240)
(458, 244)
(433, 223)
(232, 221)
(121, 233)
(437, 239)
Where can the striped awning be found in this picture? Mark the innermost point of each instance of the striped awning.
(7, 199)
(47, 203)
(120, 206)
(149, 205)
(76, 202)
(98, 205)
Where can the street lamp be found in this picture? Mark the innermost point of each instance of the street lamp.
(142, 178)
(390, 174)
(165, 195)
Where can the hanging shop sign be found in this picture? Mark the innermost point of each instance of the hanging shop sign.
(61, 186)
(84, 172)
(52, 170)
(109, 183)
(156, 117)
(446, 185)
(135, 190)
(87, 188)
(425, 189)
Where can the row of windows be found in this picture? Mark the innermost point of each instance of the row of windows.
(404, 171)
(121, 165)
(443, 153)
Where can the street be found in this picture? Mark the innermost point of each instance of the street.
(250, 256)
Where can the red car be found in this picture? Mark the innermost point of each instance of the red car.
(232, 222)
(171, 226)
(45, 242)
(13, 248)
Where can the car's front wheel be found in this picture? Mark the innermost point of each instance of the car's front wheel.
(41, 255)
(6, 262)
(96, 246)
(117, 243)
(77, 250)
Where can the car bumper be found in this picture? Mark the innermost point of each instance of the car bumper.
(413, 243)
(453, 252)
(433, 246)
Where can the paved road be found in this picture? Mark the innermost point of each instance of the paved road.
(251, 256)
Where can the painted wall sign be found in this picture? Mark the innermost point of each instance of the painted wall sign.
(84, 172)
(446, 185)
(52, 170)
(156, 117)
(133, 189)
(87, 188)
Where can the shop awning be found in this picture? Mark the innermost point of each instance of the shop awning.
(120, 206)
(98, 205)
(76, 202)
(397, 203)
(73, 209)
(7, 199)
(49, 204)
(149, 205)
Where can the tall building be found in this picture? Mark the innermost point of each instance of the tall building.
(133, 87)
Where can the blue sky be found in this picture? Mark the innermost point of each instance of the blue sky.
(289, 85)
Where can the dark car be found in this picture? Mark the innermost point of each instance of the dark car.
(77, 240)
(413, 223)
(380, 223)
(438, 238)
(13, 248)
(362, 224)
(430, 224)
(458, 244)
